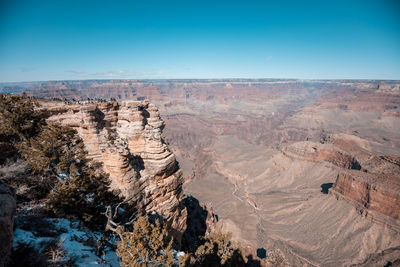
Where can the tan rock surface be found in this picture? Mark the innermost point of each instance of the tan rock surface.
(375, 195)
(127, 139)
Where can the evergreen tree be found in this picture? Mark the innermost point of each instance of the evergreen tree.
(18, 119)
(147, 245)
(61, 173)
(84, 194)
(218, 250)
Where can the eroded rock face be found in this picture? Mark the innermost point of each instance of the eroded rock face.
(376, 195)
(7, 211)
(127, 138)
(370, 182)
(314, 152)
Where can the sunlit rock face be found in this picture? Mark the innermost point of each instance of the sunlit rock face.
(127, 139)
(376, 196)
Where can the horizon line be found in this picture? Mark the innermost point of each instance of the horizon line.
(202, 79)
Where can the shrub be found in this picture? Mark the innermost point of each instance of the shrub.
(147, 245)
(18, 122)
(84, 194)
(57, 255)
(218, 250)
(18, 119)
(68, 181)
(54, 150)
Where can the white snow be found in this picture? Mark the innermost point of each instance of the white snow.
(73, 240)
(179, 254)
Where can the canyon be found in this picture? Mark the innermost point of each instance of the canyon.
(309, 168)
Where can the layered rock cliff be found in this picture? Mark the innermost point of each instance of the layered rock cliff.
(370, 182)
(374, 187)
(127, 139)
(315, 152)
(376, 196)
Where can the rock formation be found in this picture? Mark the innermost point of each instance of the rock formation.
(7, 210)
(370, 182)
(314, 152)
(376, 196)
(127, 139)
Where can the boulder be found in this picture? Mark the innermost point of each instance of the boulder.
(7, 211)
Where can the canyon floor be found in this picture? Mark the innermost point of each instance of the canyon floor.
(267, 154)
(245, 154)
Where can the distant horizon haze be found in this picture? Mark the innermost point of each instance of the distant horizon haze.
(199, 79)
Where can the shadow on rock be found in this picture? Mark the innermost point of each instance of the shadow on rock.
(136, 162)
(325, 187)
(252, 262)
(198, 218)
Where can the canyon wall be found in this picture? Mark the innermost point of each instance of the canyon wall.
(369, 182)
(127, 139)
(375, 196)
(293, 165)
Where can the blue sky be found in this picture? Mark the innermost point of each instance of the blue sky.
(63, 40)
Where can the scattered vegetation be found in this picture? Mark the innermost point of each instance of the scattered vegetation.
(149, 244)
(218, 250)
(57, 255)
(58, 174)
(65, 180)
(83, 194)
(18, 123)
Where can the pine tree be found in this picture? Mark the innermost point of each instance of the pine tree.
(61, 173)
(147, 245)
(18, 119)
(84, 194)
(220, 250)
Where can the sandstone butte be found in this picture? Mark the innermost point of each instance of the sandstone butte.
(127, 139)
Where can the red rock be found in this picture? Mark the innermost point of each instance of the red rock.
(379, 193)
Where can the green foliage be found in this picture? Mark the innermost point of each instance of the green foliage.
(83, 193)
(55, 149)
(18, 122)
(18, 119)
(71, 183)
(147, 245)
(217, 250)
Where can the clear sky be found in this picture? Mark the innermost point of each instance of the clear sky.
(63, 40)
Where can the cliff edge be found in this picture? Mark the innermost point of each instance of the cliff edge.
(127, 139)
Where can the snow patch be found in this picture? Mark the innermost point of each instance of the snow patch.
(78, 242)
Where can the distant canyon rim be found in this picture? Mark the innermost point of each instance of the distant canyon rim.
(309, 167)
